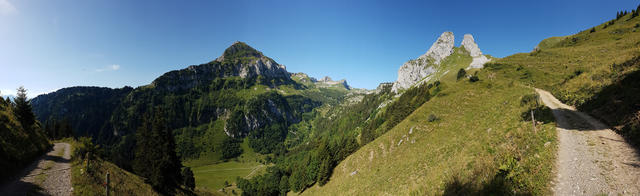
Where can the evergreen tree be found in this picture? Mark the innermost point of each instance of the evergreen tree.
(188, 179)
(617, 15)
(2, 103)
(155, 155)
(23, 109)
(326, 166)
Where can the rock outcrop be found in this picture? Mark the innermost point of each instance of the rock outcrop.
(470, 45)
(442, 48)
(414, 71)
(328, 82)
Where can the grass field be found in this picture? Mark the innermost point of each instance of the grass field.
(480, 143)
(211, 174)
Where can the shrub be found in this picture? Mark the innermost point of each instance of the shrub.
(432, 118)
(461, 73)
(85, 149)
(474, 78)
(593, 30)
(530, 100)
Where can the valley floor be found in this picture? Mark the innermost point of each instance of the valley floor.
(49, 175)
(592, 159)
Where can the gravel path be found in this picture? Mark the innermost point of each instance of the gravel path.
(49, 175)
(592, 159)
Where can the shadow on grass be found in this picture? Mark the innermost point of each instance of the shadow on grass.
(541, 114)
(497, 185)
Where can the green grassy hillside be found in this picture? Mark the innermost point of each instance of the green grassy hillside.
(595, 70)
(469, 139)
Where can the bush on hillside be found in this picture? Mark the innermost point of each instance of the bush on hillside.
(85, 149)
(461, 73)
(474, 78)
(432, 118)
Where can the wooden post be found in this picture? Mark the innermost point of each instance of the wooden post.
(533, 120)
(106, 184)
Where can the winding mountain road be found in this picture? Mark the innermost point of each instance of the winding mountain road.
(592, 159)
(49, 175)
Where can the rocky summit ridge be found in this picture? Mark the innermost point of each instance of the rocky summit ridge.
(420, 69)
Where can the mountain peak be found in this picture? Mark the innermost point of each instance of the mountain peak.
(238, 50)
(470, 45)
(442, 48)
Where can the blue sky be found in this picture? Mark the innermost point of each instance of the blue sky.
(46, 45)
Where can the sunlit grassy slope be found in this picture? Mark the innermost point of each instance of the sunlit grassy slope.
(478, 144)
(576, 67)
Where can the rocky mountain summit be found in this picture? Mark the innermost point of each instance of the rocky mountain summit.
(239, 59)
(415, 70)
(424, 67)
(470, 45)
(250, 62)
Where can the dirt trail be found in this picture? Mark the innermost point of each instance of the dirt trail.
(49, 175)
(592, 159)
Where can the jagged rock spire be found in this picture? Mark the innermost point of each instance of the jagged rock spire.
(415, 70)
(470, 45)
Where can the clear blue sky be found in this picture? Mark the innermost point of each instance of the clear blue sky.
(47, 45)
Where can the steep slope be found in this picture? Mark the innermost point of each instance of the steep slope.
(477, 137)
(18, 146)
(595, 70)
(473, 138)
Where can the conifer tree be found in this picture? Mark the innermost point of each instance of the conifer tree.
(155, 155)
(617, 15)
(23, 109)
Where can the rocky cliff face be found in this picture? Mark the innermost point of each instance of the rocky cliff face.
(470, 45)
(415, 70)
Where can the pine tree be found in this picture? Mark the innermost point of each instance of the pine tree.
(617, 15)
(23, 109)
(155, 155)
